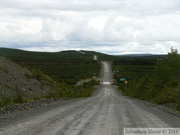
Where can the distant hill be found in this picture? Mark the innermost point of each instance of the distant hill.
(65, 66)
(20, 55)
(144, 55)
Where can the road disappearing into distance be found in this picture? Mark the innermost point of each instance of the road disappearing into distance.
(107, 112)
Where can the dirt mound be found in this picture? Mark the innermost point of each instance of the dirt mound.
(15, 79)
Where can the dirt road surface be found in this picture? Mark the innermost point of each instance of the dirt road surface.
(107, 112)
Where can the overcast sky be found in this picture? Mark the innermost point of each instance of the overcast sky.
(109, 26)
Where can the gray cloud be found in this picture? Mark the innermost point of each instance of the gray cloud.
(111, 26)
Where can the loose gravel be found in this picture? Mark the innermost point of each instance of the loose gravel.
(19, 112)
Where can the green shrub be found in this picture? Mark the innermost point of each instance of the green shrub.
(5, 97)
(18, 94)
(167, 95)
(64, 90)
(162, 87)
(178, 107)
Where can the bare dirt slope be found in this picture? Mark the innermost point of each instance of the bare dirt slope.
(13, 77)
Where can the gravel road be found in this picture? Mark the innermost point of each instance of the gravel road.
(105, 113)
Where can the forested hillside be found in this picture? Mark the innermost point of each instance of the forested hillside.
(36, 75)
(63, 67)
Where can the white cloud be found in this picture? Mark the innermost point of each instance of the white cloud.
(111, 26)
(98, 23)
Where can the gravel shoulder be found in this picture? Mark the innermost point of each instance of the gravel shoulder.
(20, 112)
(16, 113)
